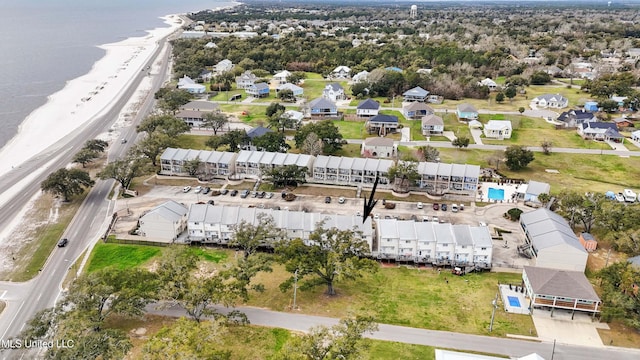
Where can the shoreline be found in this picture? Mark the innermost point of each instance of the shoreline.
(85, 97)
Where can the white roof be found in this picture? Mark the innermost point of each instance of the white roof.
(296, 115)
(498, 125)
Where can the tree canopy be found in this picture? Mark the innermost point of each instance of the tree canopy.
(518, 157)
(326, 131)
(67, 182)
(329, 255)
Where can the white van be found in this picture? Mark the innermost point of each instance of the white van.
(420, 205)
(454, 207)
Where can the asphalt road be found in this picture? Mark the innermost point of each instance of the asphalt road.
(441, 339)
(26, 299)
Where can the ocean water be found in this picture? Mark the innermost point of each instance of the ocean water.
(45, 43)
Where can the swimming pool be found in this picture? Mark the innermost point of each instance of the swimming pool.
(513, 301)
(496, 194)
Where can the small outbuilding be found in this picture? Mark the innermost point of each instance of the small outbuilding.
(588, 241)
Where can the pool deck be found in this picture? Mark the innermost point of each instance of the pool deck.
(510, 191)
(505, 292)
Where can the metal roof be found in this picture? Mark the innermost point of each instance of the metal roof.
(564, 283)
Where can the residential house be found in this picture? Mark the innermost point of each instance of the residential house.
(294, 115)
(280, 78)
(214, 164)
(334, 92)
(254, 133)
(246, 79)
(588, 241)
(475, 124)
(600, 131)
(440, 178)
(201, 105)
(322, 107)
(222, 67)
(591, 106)
(432, 125)
(416, 94)
(368, 107)
(360, 77)
(378, 147)
(575, 118)
(295, 89)
(350, 171)
(382, 124)
(164, 223)
(433, 243)
(622, 123)
(619, 100)
(498, 129)
(635, 136)
(552, 242)
(186, 83)
(466, 112)
(492, 85)
(211, 224)
(554, 101)
(193, 118)
(205, 75)
(258, 90)
(529, 192)
(554, 71)
(559, 289)
(341, 72)
(251, 164)
(416, 110)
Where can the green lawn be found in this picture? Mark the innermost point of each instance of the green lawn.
(196, 142)
(351, 129)
(120, 256)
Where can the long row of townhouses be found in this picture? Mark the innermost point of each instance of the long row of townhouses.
(435, 178)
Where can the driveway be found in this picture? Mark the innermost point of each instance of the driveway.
(406, 134)
(579, 331)
(475, 134)
(617, 146)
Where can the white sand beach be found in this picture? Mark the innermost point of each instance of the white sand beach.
(84, 98)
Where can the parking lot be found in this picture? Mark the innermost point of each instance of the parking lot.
(505, 254)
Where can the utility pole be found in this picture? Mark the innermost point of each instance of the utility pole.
(295, 289)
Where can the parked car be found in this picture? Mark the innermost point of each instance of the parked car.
(425, 219)
(420, 205)
(269, 195)
(233, 192)
(206, 190)
(211, 202)
(123, 141)
(454, 208)
(63, 242)
(341, 200)
(376, 216)
(186, 189)
(254, 194)
(197, 189)
(327, 200)
(224, 191)
(482, 223)
(262, 194)
(244, 194)
(443, 207)
(388, 217)
(461, 207)
(358, 213)
(436, 207)
(435, 219)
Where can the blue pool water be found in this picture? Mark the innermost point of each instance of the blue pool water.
(496, 194)
(513, 301)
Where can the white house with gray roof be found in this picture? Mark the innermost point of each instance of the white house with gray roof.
(246, 79)
(416, 94)
(214, 224)
(187, 83)
(164, 223)
(433, 243)
(251, 164)
(334, 92)
(223, 66)
(341, 72)
(498, 129)
(554, 101)
(214, 164)
(552, 241)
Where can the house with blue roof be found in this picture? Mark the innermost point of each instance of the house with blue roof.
(591, 106)
(382, 124)
(334, 92)
(322, 107)
(368, 107)
(416, 94)
(258, 90)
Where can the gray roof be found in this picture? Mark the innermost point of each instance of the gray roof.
(200, 105)
(416, 91)
(432, 119)
(258, 131)
(382, 118)
(466, 108)
(462, 235)
(564, 283)
(335, 86)
(417, 106)
(547, 229)
(169, 210)
(536, 188)
(261, 86)
(369, 104)
(172, 154)
(552, 97)
(635, 261)
(322, 103)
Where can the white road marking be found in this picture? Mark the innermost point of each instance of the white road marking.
(3, 294)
